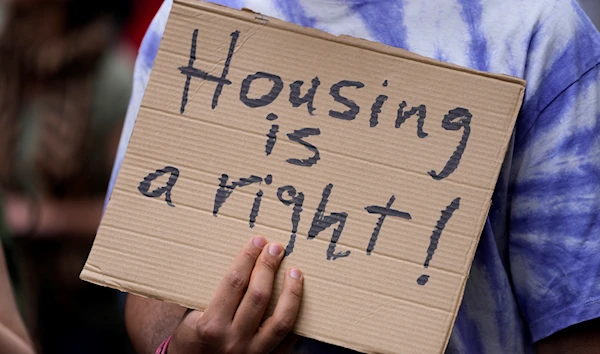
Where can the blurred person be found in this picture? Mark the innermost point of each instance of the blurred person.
(534, 282)
(64, 88)
(136, 27)
(14, 338)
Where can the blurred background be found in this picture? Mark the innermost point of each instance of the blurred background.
(66, 71)
(592, 8)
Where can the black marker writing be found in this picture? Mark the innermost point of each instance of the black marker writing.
(295, 98)
(255, 207)
(271, 138)
(145, 184)
(225, 190)
(449, 123)
(265, 99)
(297, 136)
(321, 222)
(420, 111)
(189, 71)
(376, 109)
(435, 236)
(297, 200)
(353, 107)
(387, 211)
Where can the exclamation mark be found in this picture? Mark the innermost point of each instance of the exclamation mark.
(435, 236)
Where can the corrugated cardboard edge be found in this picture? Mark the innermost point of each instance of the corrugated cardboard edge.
(96, 276)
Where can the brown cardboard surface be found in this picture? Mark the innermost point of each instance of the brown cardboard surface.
(179, 251)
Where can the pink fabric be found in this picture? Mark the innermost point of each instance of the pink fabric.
(162, 349)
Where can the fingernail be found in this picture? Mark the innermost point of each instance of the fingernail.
(259, 241)
(275, 249)
(295, 273)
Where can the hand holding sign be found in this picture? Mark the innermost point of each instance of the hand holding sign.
(232, 321)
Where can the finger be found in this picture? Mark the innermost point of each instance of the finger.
(227, 297)
(257, 297)
(276, 327)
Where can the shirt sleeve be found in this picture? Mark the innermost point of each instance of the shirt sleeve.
(554, 241)
(141, 75)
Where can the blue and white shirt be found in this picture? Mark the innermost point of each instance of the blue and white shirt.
(537, 267)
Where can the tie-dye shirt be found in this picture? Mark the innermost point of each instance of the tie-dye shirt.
(537, 267)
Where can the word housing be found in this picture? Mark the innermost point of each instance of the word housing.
(456, 119)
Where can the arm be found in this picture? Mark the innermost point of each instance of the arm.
(149, 322)
(553, 190)
(232, 322)
(13, 335)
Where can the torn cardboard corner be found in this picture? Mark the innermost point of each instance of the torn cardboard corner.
(374, 167)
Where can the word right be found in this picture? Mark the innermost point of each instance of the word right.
(288, 195)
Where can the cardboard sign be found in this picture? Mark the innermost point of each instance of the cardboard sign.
(373, 166)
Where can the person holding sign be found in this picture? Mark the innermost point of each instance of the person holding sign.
(533, 285)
